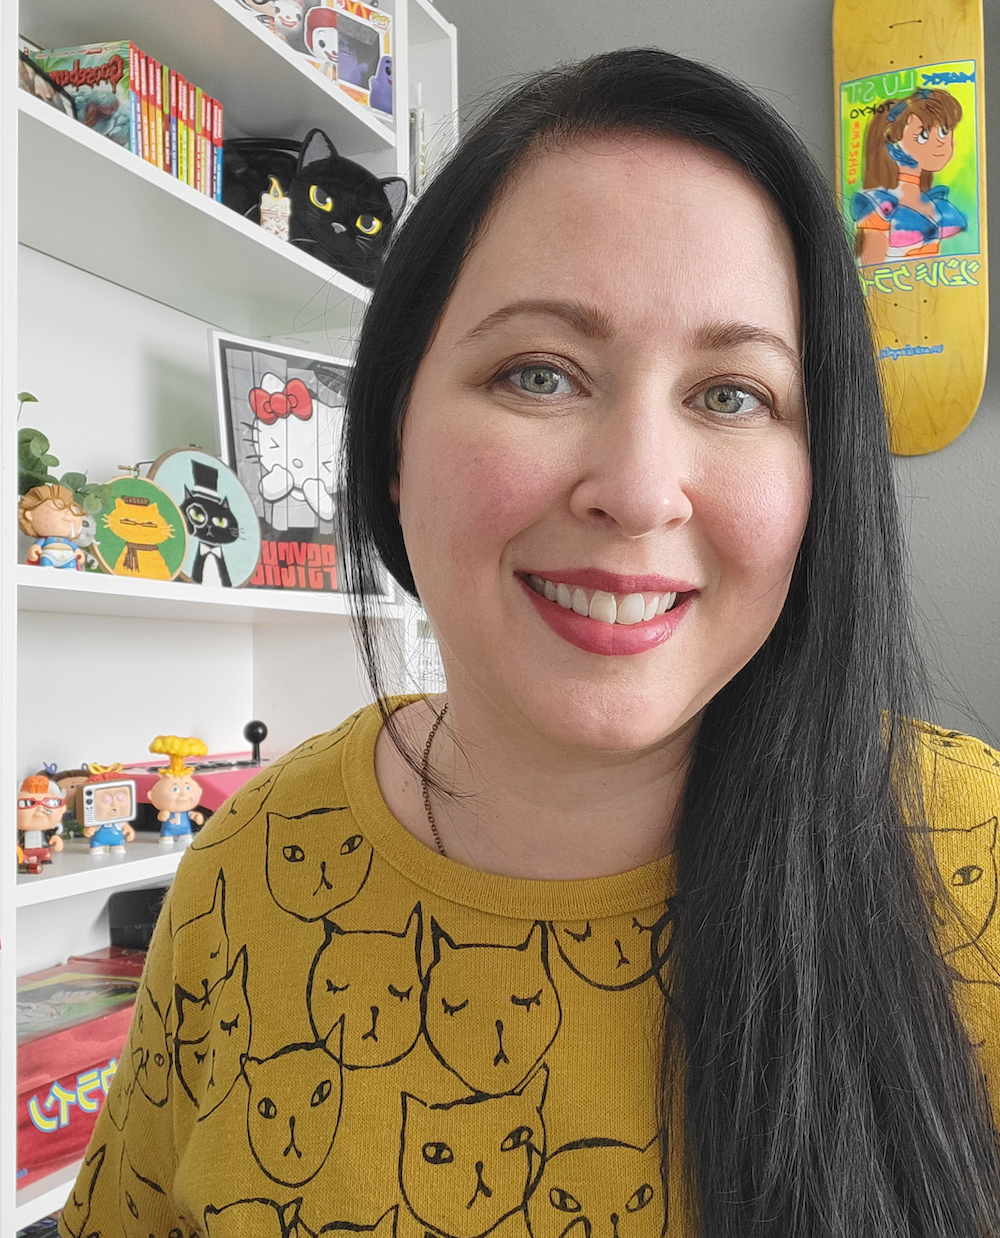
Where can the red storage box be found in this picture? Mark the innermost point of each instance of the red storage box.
(71, 1025)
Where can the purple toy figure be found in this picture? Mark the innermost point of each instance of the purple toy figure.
(380, 87)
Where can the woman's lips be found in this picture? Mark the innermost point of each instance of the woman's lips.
(610, 639)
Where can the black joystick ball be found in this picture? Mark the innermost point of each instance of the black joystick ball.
(255, 733)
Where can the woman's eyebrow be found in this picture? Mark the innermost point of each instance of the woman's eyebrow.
(721, 336)
(587, 320)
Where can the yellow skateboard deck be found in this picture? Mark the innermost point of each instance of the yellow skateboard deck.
(911, 140)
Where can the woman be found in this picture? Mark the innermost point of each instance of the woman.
(625, 930)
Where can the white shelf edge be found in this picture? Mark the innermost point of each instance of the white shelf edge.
(447, 28)
(168, 599)
(104, 148)
(274, 44)
(45, 1196)
(108, 873)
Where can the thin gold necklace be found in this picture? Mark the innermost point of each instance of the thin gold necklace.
(423, 780)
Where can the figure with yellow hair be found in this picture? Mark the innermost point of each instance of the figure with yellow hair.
(175, 794)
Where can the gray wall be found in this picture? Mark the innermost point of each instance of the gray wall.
(951, 499)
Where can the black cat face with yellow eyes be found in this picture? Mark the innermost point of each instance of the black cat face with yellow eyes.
(341, 213)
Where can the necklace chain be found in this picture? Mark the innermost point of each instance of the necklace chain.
(423, 780)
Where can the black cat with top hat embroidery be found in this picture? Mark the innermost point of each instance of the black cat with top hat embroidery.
(341, 213)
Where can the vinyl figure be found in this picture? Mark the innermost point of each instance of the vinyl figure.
(40, 809)
(107, 805)
(175, 794)
(54, 519)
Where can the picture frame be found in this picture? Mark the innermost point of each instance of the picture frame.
(223, 547)
(280, 424)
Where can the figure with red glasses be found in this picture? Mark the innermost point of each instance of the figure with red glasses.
(41, 806)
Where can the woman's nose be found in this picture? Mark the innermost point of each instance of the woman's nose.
(633, 471)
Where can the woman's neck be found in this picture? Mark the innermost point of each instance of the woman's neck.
(522, 806)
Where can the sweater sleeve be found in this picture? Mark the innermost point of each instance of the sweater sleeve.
(125, 1183)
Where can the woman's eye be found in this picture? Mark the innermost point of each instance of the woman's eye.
(922, 136)
(731, 401)
(542, 380)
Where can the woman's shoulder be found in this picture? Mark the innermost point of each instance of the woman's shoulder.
(301, 781)
(959, 778)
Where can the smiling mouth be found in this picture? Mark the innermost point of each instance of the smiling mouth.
(612, 608)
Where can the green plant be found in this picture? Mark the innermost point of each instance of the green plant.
(34, 460)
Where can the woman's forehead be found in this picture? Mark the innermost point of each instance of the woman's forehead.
(652, 230)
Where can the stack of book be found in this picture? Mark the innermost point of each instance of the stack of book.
(143, 105)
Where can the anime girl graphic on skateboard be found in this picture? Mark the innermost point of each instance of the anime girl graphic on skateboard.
(900, 213)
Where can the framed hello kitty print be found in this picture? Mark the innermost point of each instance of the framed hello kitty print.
(281, 415)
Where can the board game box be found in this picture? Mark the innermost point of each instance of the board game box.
(72, 1022)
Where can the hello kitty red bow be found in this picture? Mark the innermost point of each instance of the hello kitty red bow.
(293, 398)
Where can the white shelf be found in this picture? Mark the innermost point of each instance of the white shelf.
(93, 593)
(89, 202)
(45, 1196)
(75, 871)
(427, 25)
(228, 53)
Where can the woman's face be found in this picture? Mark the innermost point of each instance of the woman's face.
(932, 145)
(611, 404)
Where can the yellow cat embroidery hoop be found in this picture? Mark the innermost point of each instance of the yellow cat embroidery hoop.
(144, 511)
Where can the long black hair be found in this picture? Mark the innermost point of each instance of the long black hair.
(829, 1086)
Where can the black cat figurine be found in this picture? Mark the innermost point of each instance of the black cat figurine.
(341, 213)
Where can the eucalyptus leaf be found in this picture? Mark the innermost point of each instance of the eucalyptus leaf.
(25, 397)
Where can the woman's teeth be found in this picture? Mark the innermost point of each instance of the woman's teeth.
(625, 608)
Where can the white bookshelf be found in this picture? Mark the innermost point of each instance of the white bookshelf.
(111, 275)
(75, 871)
(229, 271)
(93, 593)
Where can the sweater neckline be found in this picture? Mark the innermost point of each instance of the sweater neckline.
(587, 898)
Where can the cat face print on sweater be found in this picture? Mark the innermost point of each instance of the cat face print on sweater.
(614, 953)
(143, 1204)
(76, 1210)
(599, 1188)
(370, 980)
(241, 812)
(966, 860)
(201, 949)
(384, 1227)
(490, 1012)
(149, 1049)
(294, 1110)
(253, 1218)
(316, 862)
(209, 1064)
(467, 1165)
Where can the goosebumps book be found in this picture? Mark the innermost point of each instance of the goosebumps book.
(101, 81)
(280, 419)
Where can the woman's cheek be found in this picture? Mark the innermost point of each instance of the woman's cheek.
(756, 520)
(495, 492)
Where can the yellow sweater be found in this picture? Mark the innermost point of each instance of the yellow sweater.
(339, 1029)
